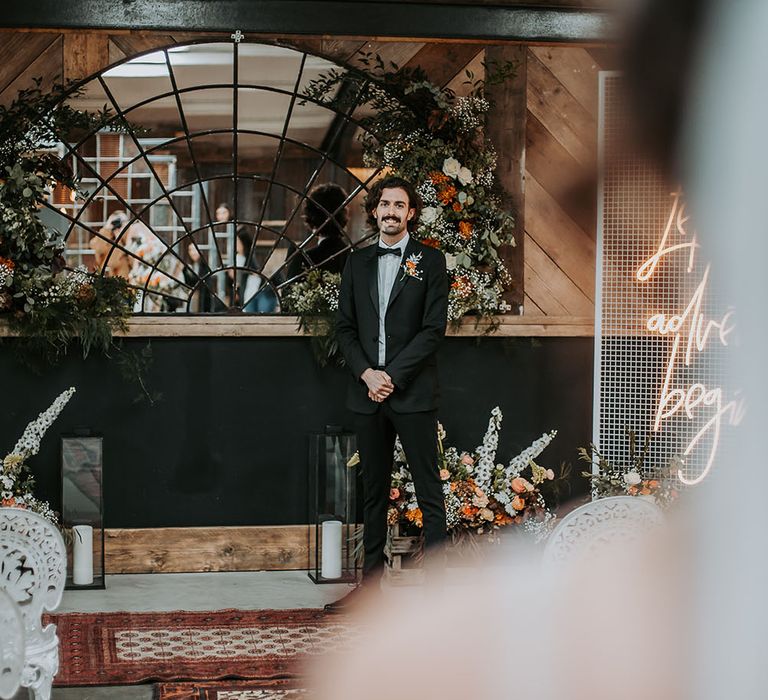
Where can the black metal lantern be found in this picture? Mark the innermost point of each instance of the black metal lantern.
(82, 509)
(334, 533)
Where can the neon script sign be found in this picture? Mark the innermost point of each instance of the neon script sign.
(692, 335)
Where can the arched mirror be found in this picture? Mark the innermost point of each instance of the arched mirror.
(229, 185)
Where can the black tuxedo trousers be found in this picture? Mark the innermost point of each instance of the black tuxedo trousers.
(376, 441)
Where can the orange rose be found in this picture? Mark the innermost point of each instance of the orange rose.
(394, 494)
(469, 512)
(457, 207)
(431, 242)
(414, 516)
(519, 485)
(465, 229)
(445, 475)
(438, 178)
(518, 503)
(447, 194)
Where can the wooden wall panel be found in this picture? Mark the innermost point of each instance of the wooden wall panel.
(178, 550)
(560, 195)
(48, 65)
(18, 50)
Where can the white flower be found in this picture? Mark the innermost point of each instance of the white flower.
(464, 175)
(451, 167)
(450, 261)
(428, 215)
(29, 442)
(462, 197)
(632, 478)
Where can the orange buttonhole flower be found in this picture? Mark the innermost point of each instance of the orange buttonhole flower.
(518, 503)
(465, 230)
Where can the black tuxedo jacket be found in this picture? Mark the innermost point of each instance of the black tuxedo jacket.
(415, 325)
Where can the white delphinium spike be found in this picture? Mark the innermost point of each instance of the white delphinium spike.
(521, 461)
(486, 453)
(29, 442)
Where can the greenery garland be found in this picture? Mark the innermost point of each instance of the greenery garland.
(47, 306)
(436, 140)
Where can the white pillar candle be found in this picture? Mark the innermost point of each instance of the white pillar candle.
(331, 550)
(82, 555)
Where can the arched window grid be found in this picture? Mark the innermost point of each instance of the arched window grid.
(201, 182)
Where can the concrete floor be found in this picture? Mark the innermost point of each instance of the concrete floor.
(215, 591)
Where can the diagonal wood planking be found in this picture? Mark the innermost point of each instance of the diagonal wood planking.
(25, 67)
(560, 201)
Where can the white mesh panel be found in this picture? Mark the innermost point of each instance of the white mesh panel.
(636, 207)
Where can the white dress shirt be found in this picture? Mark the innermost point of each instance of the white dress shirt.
(388, 267)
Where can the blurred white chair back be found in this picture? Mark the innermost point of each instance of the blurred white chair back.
(11, 646)
(33, 565)
(616, 520)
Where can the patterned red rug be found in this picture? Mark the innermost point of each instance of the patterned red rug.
(232, 690)
(126, 648)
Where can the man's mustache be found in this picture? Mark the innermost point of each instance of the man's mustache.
(391, 218)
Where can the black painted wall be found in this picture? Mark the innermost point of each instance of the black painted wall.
(227, 445)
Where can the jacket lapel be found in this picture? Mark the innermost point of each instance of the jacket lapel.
(402, 279)
(372, 270)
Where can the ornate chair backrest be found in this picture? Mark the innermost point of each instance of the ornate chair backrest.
(11, 646)
(601, 523)
(33, 564)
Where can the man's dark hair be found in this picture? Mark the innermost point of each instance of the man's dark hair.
(320, 210)
(374, 196)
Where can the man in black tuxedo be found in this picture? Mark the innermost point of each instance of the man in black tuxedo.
(393, 309)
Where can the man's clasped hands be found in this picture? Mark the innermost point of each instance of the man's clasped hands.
(379, 384)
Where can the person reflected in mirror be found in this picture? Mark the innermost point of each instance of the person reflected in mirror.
(107, 259)
(325, 215)
(197, 275)
(223, 213)
(253, 294)
(393, 311)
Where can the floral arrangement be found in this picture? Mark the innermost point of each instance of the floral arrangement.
(315, 299)
(660, 486)
(481, 495)
(45, 304)
(435, 139)
(16, 481)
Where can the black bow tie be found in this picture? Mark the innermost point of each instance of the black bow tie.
(387, 251)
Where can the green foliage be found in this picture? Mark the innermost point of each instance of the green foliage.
(48, 306)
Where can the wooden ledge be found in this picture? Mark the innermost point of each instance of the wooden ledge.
(287, 326)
